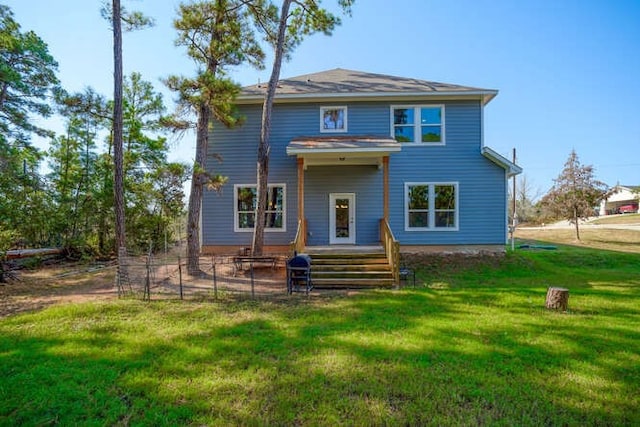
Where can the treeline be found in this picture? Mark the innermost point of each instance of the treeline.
(64, 196)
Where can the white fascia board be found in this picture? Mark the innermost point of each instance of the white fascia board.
(484, 96)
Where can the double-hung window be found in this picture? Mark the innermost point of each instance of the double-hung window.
(422, 124)
(245, 205)
(431, 206)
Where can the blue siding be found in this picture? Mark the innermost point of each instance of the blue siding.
(481, 183)
(364, 181)
(237, 149)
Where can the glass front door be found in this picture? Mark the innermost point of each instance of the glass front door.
(342, 218)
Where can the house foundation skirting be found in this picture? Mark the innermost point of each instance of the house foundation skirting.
(236, 249)
(452, 249)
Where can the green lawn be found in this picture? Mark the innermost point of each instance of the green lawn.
(471, 346)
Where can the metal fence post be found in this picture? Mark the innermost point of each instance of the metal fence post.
(253, 293)
(215, 281)
(146, 295)
(180, 276)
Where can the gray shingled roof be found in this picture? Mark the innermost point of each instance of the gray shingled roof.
(350, 83)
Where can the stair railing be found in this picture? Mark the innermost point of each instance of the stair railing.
(299, 242)
(391, 249)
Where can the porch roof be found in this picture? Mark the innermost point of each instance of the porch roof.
(342, 150)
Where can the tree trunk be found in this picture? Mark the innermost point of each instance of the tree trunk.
(261, 199)
(3, 95)
(198, 178)
(557, 298)
(118, 177)
(265, 130)
(576, 220)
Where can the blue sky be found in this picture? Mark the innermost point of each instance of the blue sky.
(568, 71)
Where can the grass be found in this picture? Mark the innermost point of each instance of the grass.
(598, 238)
(470, 346)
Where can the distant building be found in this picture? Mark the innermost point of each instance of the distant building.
(625, 197)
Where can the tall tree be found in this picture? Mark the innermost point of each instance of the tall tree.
(118, 157)
(146, 170)
(72, 162)
(298, 19)
(82, 177)
(23, 197)
(133, 21)
(575, 193)
(27, 78)
(77, 175)
(217, 35)
(94, 114)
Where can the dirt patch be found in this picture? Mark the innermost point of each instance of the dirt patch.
(65, 283)
(73, 283)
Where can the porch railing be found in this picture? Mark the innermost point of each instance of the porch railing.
(391, 249)
(299, 242)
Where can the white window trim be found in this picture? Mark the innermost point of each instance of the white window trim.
(417, 126)
(236, 225)
(345, 119)
(432, 211)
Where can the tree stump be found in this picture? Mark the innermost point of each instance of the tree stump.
(557, 298)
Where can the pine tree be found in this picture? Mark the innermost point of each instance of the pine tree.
(298, 19)
(147, 173)
(82, 177)
(217, 35)
(133, 21)
(27, 80)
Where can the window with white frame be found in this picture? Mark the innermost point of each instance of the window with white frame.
(418, 124)
(245, 205)
(431, 206)
(333, 119)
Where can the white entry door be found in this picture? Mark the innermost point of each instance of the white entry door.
(342, 223)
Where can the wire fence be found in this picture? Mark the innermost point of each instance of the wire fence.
(154, 277)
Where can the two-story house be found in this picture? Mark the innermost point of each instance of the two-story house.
(354, 153)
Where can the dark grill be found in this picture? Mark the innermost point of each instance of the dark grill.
(299, 274)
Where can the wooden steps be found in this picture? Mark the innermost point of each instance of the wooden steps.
(348, 269)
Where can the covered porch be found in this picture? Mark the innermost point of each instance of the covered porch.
(341, 174)
(333, 175)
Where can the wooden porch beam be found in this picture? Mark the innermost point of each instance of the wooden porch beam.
(385, 188)
(301, 190)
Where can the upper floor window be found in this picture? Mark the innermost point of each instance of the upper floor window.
(431, 206)
(333, 119)
(245, 200)
(420, 123)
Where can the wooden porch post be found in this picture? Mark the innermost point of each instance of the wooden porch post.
(385, 188)
(301, 194)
